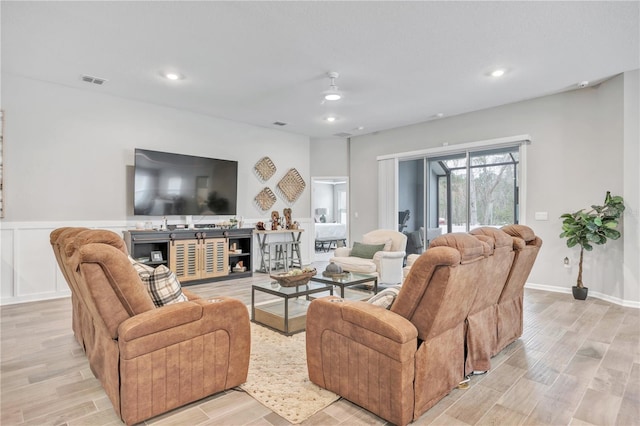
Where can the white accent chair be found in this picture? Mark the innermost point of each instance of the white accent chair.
(386, 264)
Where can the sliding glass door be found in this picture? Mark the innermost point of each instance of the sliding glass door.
(461, 191)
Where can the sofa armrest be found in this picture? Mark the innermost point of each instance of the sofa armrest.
(370, 325)
(357, 350)
(389, 255)
(183, 321)
(389, 265)
(190, 295)
(412, 258)
(342, 252)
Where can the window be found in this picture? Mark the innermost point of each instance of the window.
(472, 185)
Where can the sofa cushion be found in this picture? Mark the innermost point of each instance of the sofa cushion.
(386, 242)
(355, 264)
(386, 297)
(161, 283)
(366, 251)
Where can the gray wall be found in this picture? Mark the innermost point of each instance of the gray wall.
(68, 157)
(69, 152)
(577, 155)
(329, 157)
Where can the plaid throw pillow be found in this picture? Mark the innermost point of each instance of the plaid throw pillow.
(161, 283)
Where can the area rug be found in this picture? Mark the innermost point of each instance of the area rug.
(278, 377)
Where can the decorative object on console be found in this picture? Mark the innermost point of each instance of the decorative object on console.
(275, 220)
(287, 217)
(264, 169)
(260, 226)
(291, 185)
(156, 256)
(265, 199)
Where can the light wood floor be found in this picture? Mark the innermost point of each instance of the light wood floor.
(577, 363)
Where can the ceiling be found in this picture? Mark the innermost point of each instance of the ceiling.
(260, 62)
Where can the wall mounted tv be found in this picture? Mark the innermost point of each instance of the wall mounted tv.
(174, 184)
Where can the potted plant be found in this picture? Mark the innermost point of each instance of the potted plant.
(589, 228)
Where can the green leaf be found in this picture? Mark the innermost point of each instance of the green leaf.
(612, 233)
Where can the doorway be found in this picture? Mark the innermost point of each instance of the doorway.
(330, 214)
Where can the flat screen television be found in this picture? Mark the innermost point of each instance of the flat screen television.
(175, 184)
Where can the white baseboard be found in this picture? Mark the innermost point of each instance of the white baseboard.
(597, 295)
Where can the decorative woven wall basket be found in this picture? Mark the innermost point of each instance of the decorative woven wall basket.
(291, 185)
(264, 169)
(265, 199)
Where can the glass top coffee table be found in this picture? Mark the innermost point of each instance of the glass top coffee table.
(346, 279)
(288, 313)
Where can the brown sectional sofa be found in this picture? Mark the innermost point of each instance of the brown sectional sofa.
(460, 304)
(481, 335)
(526, 246)
(149, 360)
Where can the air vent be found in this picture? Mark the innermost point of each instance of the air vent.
(279, 123)
(95, 80)
(343, 135)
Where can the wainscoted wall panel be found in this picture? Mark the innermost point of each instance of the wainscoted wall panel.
(29, 270)
(35, 264)
(6, 264)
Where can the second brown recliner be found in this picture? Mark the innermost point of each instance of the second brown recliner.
(399, 363)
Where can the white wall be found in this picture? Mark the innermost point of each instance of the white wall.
(576, 156)
(68, 160)
(329, 157)
(323, 198)
(631, 186)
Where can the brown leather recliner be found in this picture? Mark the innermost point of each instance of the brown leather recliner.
(79, 315)
(526, 246)
(398, 363)
(482, 329)
(151, 360)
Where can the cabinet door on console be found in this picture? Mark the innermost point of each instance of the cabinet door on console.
(214, 257)
(184, 259)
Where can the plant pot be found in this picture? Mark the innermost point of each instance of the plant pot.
(579, 293)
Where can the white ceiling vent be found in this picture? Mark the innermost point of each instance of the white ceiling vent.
(343, 135)
(95, 80)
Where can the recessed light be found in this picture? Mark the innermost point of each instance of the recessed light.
(439, 115)
(170, 75)
(331, 119)
(497, 73)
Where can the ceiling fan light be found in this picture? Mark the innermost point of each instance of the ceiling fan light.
(332, 94)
